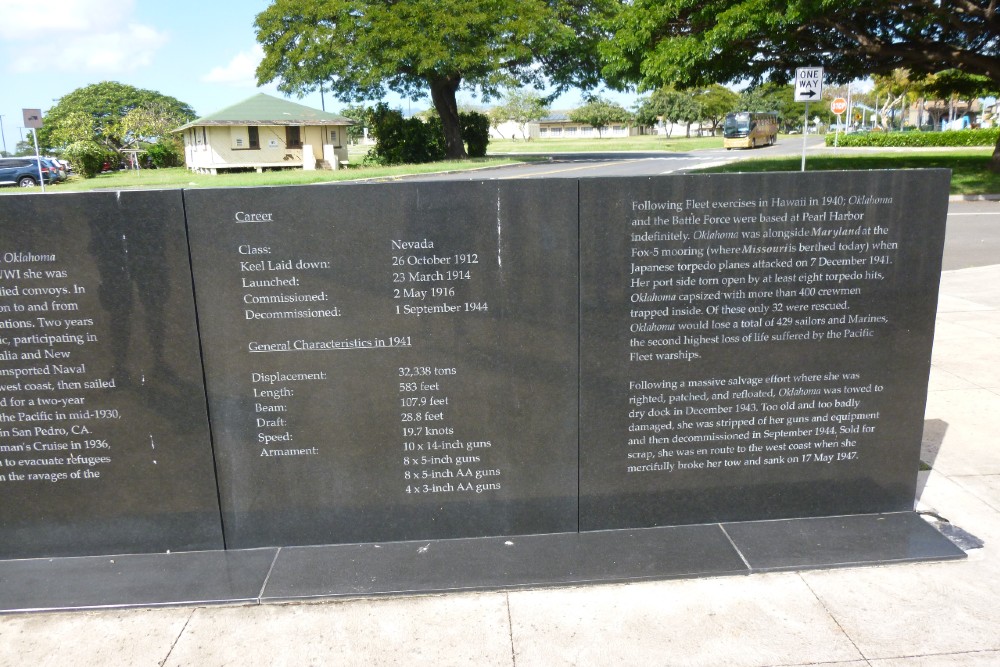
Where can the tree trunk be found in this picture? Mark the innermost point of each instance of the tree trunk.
(443, 94)
(995, 158)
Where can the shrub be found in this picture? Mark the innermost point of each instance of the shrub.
(165, 154)
(87, 157)
(403, 140)
(475, 132)
(982, 137)
(413, 141)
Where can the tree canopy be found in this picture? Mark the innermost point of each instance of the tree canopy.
(697, 42)
(673, 106)
(688, 42)
(521, 106)
(716, 101)
(359, 49)
(113, 115)
(779, 98)
(599, 113)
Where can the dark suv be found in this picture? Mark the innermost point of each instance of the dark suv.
(23, 171)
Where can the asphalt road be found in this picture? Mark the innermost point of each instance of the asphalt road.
(583, 165)
(653, 163)
(972, 237)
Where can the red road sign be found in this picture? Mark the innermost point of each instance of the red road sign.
(838, 106)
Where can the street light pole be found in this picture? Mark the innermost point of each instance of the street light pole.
(3, 135)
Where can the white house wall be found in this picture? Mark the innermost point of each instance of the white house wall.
(511, 130)
(582, 131)
(222, 147)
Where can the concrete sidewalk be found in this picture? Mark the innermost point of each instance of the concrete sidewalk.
(945, 613)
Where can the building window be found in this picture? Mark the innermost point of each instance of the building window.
(293, 137)
(253, 134)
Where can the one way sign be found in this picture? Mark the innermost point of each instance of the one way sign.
(808, 83)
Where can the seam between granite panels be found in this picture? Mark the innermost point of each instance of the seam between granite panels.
(739, 553)
(267, 577)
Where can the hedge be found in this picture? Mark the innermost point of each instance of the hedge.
(401, 140)
(87, 157)
(165, 153)
(917, 139)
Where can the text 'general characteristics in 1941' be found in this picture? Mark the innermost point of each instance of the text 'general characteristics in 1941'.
(376, 355)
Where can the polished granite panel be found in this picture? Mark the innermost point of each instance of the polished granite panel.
(860, 539)
(390, 361)
(501, 562)
(755, 346)
(104, 440)
(489, 563)
(138, 580)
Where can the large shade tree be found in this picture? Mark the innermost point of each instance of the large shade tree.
(716, 101)
(599, 113)
(522, 106)
(892, 89)
(113, 115)
(360, 49)
(673, 106)
(693, 42)
(776, 98)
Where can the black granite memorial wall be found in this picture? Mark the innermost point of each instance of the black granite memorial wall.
(755, 346)
(390, 362)
(419, 361)
(104, 437)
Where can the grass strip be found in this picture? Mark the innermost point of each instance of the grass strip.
(970, 174)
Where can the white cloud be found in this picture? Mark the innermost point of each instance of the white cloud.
(240, 71)
(89, 35)
(24, 21)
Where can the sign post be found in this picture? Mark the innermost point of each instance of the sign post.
(838, 106)
(808, 87)
(33, 120)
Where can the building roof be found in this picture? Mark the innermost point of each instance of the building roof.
(556, 117)
(264, 109)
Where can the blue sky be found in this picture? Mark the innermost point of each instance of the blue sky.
(203, 53)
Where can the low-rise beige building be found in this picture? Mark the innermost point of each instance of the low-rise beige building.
(265, 132)
(559, 126)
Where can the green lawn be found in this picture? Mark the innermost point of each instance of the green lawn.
(969, 173)
(969, 167)
(182, 178)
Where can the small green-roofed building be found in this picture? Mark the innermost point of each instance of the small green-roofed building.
(265, 132)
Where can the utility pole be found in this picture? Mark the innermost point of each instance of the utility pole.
(3, 135)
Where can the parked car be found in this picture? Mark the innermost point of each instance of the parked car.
(23, 171)
(56, 167)
(61, 165)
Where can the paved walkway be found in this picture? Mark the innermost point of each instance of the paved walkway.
(924, 615)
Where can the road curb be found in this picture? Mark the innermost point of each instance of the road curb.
(974, 197)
